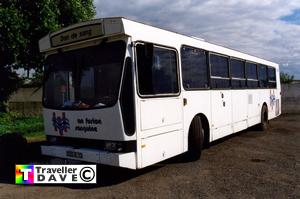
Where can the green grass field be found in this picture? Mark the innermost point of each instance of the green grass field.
(30, 127)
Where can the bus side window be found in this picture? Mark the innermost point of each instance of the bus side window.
(262, 76)
(251, 74)
(219, 71)
(272, 77)
(237, 73)
(194, 68)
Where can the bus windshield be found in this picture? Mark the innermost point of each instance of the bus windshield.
(84, 79)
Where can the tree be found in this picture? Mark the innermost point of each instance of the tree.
(9, 82)
(22, 24)
(285, 78)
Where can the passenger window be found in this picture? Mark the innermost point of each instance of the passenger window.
(219, 66)
(157, 71)
(272, 77)
(237, 68)
(237, 73)
(251, 74)
(219, 71)
(251, 71)
(194, 68)
(262, 76)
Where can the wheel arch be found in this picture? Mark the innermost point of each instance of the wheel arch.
(205, 126)
(266, 105)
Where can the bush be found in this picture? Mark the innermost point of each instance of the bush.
(286, 78)
(15, 122)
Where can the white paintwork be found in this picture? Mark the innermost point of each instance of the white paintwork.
(104, 129)
(161, 129)
(160, 147)
(239, 105)
(222, 108)
(197, 102)
(239, 110)
(162, 124)
(160, 112)
(126, 160)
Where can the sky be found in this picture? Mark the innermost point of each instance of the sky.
(269, 29)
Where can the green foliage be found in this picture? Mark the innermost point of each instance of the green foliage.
(74, 11)
(9, 117)
(9, 82)
(22, 24)
(15, 122)
(285, 78)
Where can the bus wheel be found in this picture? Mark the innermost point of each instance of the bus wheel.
(195, 139)
(264, 124)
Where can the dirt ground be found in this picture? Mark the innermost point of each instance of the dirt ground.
(249, 164)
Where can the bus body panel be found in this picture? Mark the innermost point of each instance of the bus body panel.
(90, 124)
(126, 160)
(239, 110)
(198, 102)
(160, 147)
(254, 107)
(161, 130)
(160, 112)
(221, 113)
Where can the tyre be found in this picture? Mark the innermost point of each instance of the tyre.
(195, 139)
(264, 124)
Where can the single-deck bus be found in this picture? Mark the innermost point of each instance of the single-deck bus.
(126, 94)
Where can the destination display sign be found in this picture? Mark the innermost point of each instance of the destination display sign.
(78, 34)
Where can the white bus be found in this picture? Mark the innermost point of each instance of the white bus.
(126, 94)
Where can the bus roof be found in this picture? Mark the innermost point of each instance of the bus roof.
(107, 27)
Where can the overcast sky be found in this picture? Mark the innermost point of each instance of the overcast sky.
(269, 29)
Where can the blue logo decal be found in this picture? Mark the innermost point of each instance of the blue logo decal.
(60, 124)
(272, 99)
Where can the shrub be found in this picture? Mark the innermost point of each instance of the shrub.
(285, 78)
(15, 122)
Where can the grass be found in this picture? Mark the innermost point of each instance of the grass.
(30, 127)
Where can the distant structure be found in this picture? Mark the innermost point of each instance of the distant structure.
(27, 101)
(290, 97)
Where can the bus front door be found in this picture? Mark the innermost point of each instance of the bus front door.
(159, 128)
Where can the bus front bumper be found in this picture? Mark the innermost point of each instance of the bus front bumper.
(126, 160)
